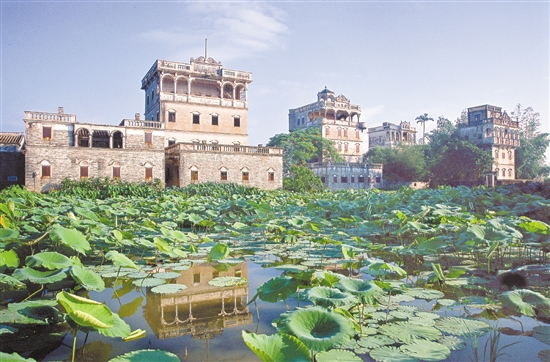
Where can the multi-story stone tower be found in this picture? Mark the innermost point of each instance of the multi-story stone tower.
(391, 135)
(199, 101)
(493, 130)
(338, 120)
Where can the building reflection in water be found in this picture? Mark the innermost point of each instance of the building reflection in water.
(201, 310)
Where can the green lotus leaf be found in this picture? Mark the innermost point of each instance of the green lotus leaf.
(390, 354)
(526, 302)
(227, 281)
(138, 275)
(279, 288)
(452, 342)
(7, 330)
(406, 332)
(168, 288)
(462, 326)
(8, 235)
(426, 350)
(146, 355)
(119, 329)
(291, 267)
(381, 268)
(423, 293)
(36, 312)
(40, 277)
(148, 282)
(372, 342)
(218, 251)
(70, 237)
(329, 297)
(120, 260)
(14, 357)
(368, 290)
(9, 259)
(87, 278)
(542, 333)
(336, 355)
(318, 328)
(129, 309)
(9, 283)
(181, 267)
(49, 259)
(86, 312)
(277, 347)
(137, 334)
(167, 275)
(446, 302)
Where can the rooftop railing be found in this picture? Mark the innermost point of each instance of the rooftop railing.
(141, 124)
(45, 116)
(205, 147)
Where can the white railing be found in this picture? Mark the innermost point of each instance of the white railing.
(141, 124)
(204, 147)
(45, 116)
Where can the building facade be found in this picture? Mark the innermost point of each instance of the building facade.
(338, 120)
(12, 159)
(493, 130)
(391, 135)
(341, 176)
(195, 129)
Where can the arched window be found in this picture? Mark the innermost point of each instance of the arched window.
(117, 140)
(509, 172)
(245, 175)
(223, 174)
(503, 172)
(84, 170)
(271, 175)
(83, 137)
(46, 169)
(148, 172)
(194, 174)
(116, 170)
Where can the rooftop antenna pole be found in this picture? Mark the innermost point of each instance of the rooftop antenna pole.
(205, 48)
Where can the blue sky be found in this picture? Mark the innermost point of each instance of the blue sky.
(396, 59)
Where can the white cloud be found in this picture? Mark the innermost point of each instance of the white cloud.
(233, 30)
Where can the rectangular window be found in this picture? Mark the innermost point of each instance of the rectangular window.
(148, 137)
(116, 171)
(83, 172)
(271, 176)
(352, 179)
(335, 179)
(197, 278)
(196, 118)
(171, 116)
(237, 121)
(327, 131)
(47, 133)
(238, 273)
(339, 132)
(377, 179)
(46, 171)
(148, 173)
(223, 176)
(503, 155)
(357, 134)
(357, 148)
(194, 176)
(214, 120)
(361, 179)
(171, 142)
(323, 179)
(344, 179)
(245, 176)
(346, 147)
(346, 133)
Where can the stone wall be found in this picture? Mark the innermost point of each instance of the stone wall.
(12, 168)
(65, 162)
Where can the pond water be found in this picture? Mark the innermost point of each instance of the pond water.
(204, 322)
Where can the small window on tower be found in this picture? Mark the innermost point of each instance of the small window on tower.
(47, 133)
(148, 173)
(237, 121)
(245, 176)
(83, 172)
(148, 137)
(171, 116)
(196, 118)
(116, 171)
(223, 175)
(271, 176)
(214, 120)
(46, 169)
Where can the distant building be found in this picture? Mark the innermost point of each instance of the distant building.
(493, 130)
(12, 159)
(338, 120)
(391, 135)
(195, 130)
(340, 176)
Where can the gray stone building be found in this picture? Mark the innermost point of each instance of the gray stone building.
(353, 175)
(493, 130)
(391, 135)
(12, 159)
(188, 136)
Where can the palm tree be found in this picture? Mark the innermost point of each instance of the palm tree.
(423, 118)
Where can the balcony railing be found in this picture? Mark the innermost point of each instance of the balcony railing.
(44, 116)
(217, 148)
(141, 124)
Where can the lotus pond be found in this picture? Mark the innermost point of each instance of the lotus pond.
(207, 273)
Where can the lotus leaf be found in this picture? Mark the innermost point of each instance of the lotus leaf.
(148, 282)
(318, 328)
(129, 309)
(9, 283)
(9, 259)
(542, 333)
(70, 237)
(373, 342)
(137, 334)
(423, 293)
(138, 275)
(426, 350)
(277, 347)
(40, 277)
(50, 260)
(390, 354)
(7, 330)
(14, 357)
(329, 297)
(218, 251)
(526, 302)
(119, 329)
(336, 355)
(120, 260)
(275, 289)
(462, 326)
(368, 290)
(291, 268)
(446, 302)
(36, 312)
(86, 312)
(167, 275)
(87, 278)
(168, 288)
(452, 342)
(406, 332)
(227, 281)
(146, 355)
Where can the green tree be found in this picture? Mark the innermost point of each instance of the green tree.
(423, 118)
(302, 179)
(530, 156)
(304, 146)
(403, 163)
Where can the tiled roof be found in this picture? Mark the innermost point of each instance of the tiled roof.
(9, 138)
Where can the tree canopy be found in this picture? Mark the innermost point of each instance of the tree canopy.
(403, 163)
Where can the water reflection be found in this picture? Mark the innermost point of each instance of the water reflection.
(202, 310)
